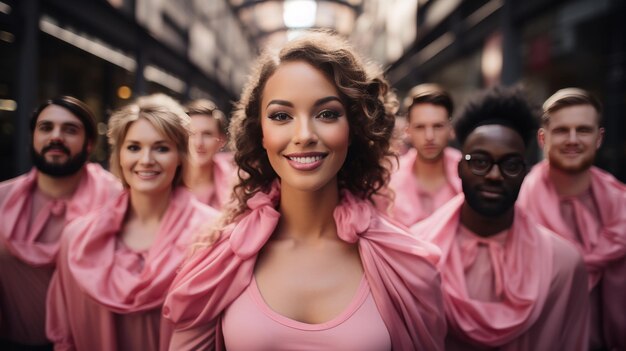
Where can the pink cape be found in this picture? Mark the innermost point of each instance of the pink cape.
(604, 250)
(407, 208)
(399, 269)
(537, 279)
(26, 260)
(20, 236)
(106, 296)
(224, 177)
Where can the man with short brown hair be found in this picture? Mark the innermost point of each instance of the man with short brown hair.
(583, 204)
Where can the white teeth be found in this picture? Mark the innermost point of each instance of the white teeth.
(147, 173)
(308, 159)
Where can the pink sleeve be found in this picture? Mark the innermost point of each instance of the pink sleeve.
(614, 305)
(57, 322)
(575, 332)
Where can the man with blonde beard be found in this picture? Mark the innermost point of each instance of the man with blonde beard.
(583, 204)
(35, 207)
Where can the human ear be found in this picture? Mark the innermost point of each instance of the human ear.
(541, 135)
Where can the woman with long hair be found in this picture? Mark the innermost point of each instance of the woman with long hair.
(303, 260)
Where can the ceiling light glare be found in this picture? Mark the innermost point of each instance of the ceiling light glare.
(299, 13)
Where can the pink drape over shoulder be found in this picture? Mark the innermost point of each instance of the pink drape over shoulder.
(400, 270)
(408, 208)
(96, 187)
(29, 243)
(603, 244)
(106, 296)
(224, 178)
(528, 295)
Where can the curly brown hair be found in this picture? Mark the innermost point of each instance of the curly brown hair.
(366, 95)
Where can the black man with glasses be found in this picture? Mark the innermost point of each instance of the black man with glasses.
(507, 282)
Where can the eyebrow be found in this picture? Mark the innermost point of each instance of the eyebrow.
(316, 104)
(138, 142)
(64, 124)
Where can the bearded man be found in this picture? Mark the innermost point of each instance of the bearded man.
(35, 207)
(583, 204)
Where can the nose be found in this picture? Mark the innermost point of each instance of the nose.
(429, 133)
(146, 157)
(305, 132)
(494, 173)
(572, 137)
(56, 133)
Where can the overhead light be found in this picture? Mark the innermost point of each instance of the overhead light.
(124, 92)
(92, 45)
(8, 105)
(5, 8)
(299, 13)
(157, 75)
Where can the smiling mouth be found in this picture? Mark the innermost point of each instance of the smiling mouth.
(147, 174)
(306, 159)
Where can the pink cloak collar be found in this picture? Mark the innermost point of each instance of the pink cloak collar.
(96, 187)
(522, 275)
(603, 246)
(399, 269)
(112, 279)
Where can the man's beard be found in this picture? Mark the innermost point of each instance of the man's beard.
(489, 208)
(581, 167)
(59, 170)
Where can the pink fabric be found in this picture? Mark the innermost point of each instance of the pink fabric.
(408, 208)
(106, 296)
(249, 324)
(224, 177)
(20, 236)
(603, 244)
(399, 269)
(29, 239)
(522, 289)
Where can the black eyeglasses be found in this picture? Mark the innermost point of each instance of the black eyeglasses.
(481, 164)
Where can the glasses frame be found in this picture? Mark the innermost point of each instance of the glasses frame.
(468, 158)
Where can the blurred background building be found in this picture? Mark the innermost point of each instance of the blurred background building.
(106, 52)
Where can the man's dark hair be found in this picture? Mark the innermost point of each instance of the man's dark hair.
(503, 106)
(76, 107)
(429, 93)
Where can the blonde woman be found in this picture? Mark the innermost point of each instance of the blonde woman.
(117, 263)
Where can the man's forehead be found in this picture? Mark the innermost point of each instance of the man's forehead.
(574, 115)
(58, 115)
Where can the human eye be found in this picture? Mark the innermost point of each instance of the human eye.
(71, 130)
(329, 115)
(44, 127)
(162, 148)
(133, 147)
(559, 131)
(512, 165)
(279, 116)
(585, 130)
(480, 162)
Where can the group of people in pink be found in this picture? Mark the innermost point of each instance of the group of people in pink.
(312, 233)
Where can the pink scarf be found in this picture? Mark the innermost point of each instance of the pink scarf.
(605, 239)
(108, 278)
(399, 269)
(407, 206)
(96, 187)
(522, 274)
(224, 177)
